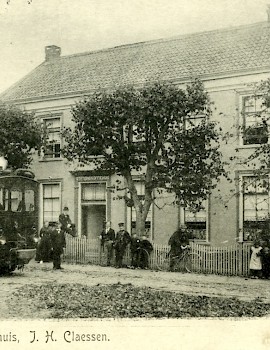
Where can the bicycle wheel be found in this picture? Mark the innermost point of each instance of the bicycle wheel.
(179, 264)
(143, 258)
(162, 261)
(192, 262)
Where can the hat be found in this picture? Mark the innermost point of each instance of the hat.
(65, 208)
(121, 224)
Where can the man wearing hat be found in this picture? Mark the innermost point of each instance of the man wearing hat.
(66, 223)
(179, 241)
(58, 242)
(121, 242)
(107, 240)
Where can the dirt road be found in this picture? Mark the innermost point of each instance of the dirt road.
(209, 285)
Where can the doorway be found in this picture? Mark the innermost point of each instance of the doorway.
(93, 217)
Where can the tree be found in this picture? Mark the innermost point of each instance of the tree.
(20, 136)
(161, 131)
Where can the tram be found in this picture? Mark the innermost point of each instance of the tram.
(19, 193)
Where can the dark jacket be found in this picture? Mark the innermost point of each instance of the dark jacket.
(58, 240)
(179, 238)
(147, 245)
(107, 236)
(122, 240)
(134, 244)
(64, 221)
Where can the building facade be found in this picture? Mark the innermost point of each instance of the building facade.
(228, 61)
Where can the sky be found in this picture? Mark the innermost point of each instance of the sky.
(27, 26)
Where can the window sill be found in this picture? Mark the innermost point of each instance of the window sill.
(250, 146)
(200, 241)
(50, 159)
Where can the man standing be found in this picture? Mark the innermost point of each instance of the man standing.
(107, 240)
(58, 244)
(179, 241)
(121, 242)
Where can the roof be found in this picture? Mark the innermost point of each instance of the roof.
(214, 53)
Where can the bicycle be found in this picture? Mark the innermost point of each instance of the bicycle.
(143, 257)
(187, 261)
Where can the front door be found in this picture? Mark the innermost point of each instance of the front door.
(93, 218)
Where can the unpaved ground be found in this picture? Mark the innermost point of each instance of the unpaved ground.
(209, 285)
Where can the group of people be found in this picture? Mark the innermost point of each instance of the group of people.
(52, 239)
(116, 244)
(259, 265)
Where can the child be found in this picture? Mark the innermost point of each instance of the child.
(255, 265)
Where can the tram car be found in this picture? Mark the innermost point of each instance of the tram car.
(18, 218)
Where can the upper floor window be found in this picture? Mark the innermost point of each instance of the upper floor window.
(194, 120)
(53, 144)
(255, 121)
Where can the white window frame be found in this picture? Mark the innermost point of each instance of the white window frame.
(242, 119)
(44, 119)
(241, 203)
(43, 184)
(182, 221)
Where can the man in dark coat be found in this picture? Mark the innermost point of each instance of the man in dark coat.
(121, 242)
(58, 244)
(178, 242)
(134, 250)
(107, 240)
(66, 223)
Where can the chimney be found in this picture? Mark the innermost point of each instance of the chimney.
(268, 13)
(52, 52)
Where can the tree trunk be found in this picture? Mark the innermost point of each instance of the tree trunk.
(140, 223)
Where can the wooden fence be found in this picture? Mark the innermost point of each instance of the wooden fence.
(232, 260)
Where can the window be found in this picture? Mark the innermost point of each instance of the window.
(94, 191)
(51, 202)
(194, 121)
(255, 206)
(196, 222)
(53, 145)
(255, 121)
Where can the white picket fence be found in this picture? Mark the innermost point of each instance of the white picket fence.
(232, 260)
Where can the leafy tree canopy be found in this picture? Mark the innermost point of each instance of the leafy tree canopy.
(161, 131)
(20, 136)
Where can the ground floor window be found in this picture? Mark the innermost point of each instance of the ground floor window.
(148, 222)
(131, 212)
(196, 221)
(254, 205)
(51, 201)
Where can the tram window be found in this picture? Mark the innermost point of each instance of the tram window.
(16, 200)
(2, 199)
(29, 200)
